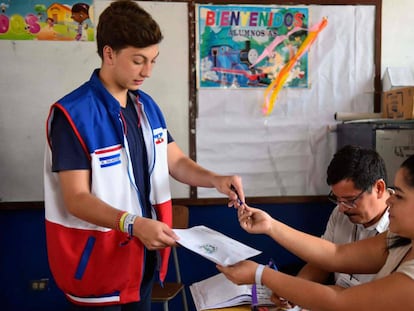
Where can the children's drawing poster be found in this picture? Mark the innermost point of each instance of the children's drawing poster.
(46, 20)
(246, 46)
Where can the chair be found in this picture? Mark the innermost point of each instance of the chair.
(171, 289)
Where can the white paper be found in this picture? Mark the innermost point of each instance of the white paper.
(218, 292)
(214, 245)
(396, 77)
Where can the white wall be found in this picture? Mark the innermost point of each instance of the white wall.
(397, 34)
(25, 96)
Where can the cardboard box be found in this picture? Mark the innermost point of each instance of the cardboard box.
(398, 103)
(397, 77)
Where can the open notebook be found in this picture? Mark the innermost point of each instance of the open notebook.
(218, 292)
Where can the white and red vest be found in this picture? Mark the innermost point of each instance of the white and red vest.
(91, 264)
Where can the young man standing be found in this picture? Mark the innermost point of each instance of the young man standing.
(107, 167)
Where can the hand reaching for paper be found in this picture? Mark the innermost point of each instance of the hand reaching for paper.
(254, 220)
(240, 273)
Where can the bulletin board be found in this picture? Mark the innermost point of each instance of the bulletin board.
(286, 153)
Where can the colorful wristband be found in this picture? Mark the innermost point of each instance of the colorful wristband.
(121, 221)
(129, 224)
(258, 274)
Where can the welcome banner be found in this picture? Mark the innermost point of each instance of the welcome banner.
(246, 46)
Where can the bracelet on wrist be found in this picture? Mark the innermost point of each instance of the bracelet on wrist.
(258, 274)
(128, 225)
(121, 221)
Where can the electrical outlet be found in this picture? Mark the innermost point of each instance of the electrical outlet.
(39, 285)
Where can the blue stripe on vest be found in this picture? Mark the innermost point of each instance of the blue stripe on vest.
(85, 258)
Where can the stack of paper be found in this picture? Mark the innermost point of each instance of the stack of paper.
(218, 292)
(214, 245)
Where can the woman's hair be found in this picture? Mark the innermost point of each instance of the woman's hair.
(124, 23)
(398, 241)
(407, 168)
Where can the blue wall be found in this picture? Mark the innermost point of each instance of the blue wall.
(23, 256)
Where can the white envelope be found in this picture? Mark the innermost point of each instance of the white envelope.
(214, 245)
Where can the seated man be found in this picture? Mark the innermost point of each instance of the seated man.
(357, 178)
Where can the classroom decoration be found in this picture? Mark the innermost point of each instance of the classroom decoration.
(46, 20)
(274, 88)
(269, 49)
(239, 46)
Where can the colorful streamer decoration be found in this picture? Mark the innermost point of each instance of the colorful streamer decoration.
(282, 76)
(269, 49)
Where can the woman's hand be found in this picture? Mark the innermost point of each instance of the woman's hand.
(254, 220)
(242, 272)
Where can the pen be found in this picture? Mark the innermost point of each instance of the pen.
(238, 197)
(255, 306)
(254, 298)
(272, 264)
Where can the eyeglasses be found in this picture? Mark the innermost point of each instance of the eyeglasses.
(347, 203)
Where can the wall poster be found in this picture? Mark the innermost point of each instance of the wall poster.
(46, 20)
(246, 46)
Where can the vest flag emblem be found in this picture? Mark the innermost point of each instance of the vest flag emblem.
(158, 139)
(110, 160)
(109, 156)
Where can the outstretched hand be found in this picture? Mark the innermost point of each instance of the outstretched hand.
(254, 220)
(240, 273)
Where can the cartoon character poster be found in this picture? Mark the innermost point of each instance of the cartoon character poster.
(247, 46)
(46, 20)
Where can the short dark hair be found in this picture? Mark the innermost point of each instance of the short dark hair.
(124, 23)
(363, 166)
